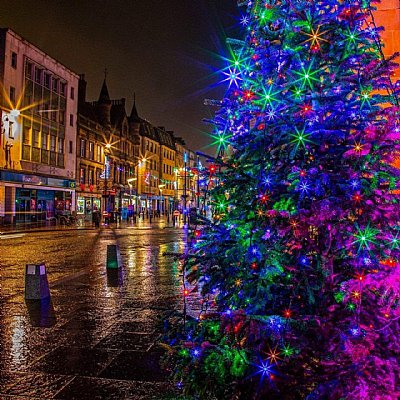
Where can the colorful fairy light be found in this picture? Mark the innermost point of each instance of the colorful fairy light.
(298, 269)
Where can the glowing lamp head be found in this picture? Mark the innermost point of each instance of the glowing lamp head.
(15, 113)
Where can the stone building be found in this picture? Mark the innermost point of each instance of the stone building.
(38, 132)
(107, 153)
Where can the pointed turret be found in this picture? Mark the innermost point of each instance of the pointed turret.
(134, 122)
(104, 96)
(134, 117)
(104, 106)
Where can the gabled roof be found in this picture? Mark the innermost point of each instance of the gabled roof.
(148, 130)
(166, 138)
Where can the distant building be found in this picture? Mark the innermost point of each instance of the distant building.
(38, 132)
(107, 154)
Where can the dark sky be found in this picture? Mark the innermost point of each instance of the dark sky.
(166, 51)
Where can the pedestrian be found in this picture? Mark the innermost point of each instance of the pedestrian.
(96, 218)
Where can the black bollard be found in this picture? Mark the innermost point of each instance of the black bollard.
(113, 256)
(36, 284)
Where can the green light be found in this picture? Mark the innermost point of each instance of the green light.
(287, 351)
(339, 297)
(364, 238)
(351, 306)
(307, 76)
(300, 139)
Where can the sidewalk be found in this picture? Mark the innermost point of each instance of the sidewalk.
(48, 226)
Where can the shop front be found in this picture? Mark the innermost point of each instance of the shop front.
(86, 205)
(27, 198)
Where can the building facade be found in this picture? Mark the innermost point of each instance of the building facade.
(38, 133)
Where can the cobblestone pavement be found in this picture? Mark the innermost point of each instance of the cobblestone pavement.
(97, 337)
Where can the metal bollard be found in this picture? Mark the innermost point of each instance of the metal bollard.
(36, 284)
(113, 256)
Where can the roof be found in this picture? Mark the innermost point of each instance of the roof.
(118, 113)
(166, 138)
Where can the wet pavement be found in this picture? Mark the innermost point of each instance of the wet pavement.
(98, 335)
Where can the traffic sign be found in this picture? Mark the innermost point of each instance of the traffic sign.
(177, 213)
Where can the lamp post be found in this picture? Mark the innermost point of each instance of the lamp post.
(107, 148)
(161, 208)
(184, 187)
(130, 180)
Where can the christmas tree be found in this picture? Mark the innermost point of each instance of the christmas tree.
(299, 269)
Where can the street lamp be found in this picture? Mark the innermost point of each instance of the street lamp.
(107, 149)
(184, 188)
(161, 199)
(130, 180)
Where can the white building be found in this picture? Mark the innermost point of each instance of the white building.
(38, 101)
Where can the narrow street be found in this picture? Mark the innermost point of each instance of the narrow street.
(97, 337)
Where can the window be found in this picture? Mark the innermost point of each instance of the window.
(72, 93)
(98, 153)
(47, 80)
(60, 145)
(28, 70)
(44, 141)
(26, 135)
(91, 151)
(82, 175)
(14, 60)
(71, 147)
(71, 119)
(83, 148)
(12, 94)
(52, 143)
(35, 138)
(61, 117)
(38, 75)
(91, 177)
(54, 84)
(63, 88)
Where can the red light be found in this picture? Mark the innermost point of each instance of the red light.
(186, 292)
(287, 313)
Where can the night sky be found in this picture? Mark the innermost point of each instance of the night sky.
(166, 51)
